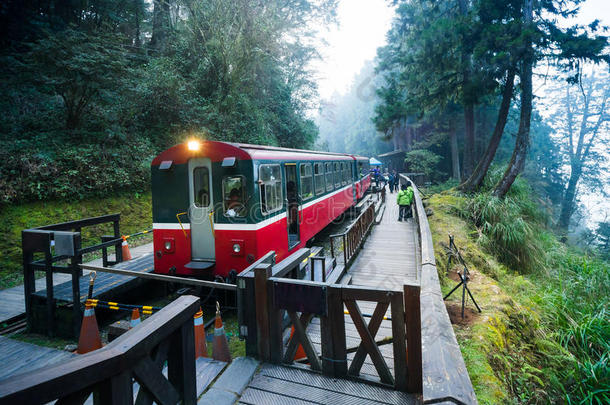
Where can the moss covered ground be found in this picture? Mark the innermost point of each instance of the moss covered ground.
(135, 210)
(518, 350)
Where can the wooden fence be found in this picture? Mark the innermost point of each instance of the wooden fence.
(354, 235)
(65, 239)
(279, 301)
(108, 373)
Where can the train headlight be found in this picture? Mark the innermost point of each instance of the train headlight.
(169, 245)
(194, 145)
(236, 248)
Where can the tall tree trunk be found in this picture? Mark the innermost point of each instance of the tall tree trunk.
(517, 161)
(455, 154)
(567, 204)
(477, 177)
(160, 24)
(469, 151)
(469, 148)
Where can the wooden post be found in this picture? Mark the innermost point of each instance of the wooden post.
(118, 257)
(76, 273)
(117, 390)
(246, 310)
(48, 270)
(414, 349)
(29, 286)
(181, 369)
(332, 331)
(399, 341)
(261, 276)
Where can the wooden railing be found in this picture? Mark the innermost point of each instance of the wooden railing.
(303, 300)
(445, 378)
(354, 235)
(108, 373)
(67, 241)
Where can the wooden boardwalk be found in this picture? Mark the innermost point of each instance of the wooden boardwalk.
(388, 260)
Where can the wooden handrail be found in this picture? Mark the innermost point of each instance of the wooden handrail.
(109, 370)
(444, 374)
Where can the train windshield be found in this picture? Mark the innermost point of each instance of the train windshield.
(234, 202)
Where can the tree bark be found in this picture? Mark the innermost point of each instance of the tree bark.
(476, 179)
(469, 146)
(455, 154)
(567, 204)
(517, 161)
(469, 150)
(160, 24)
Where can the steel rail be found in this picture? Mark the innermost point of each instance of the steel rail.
(161, 277)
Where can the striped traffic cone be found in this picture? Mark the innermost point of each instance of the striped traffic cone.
(89, 339)
(220, 349)
(125, 249)
(300, 353)
(135, 318)
(201, 349)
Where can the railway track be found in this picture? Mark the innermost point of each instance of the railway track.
(14, 326)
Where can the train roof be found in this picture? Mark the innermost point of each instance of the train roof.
(217, 151)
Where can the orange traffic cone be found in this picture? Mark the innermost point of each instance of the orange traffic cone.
(300, 354)
(125, 249)
(220, 349)
(89, 339)
(135, 318)
(201, 349)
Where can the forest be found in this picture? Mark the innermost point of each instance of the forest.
(502, 104)
(87, 84)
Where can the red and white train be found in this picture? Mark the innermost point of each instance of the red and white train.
(217, 207)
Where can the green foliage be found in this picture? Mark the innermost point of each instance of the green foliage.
(512, 226)
(90, 100)
(544, 336)
(423, 161)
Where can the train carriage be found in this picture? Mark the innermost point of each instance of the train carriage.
(217, 207)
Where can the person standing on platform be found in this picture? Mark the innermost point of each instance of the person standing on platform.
(404, 200)
(396, 180)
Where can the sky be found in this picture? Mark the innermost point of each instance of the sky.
(361, 29)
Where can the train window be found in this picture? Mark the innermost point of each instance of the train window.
(270, 183)
(329, 176)
(233, 196)
(345, 167)
(362, 170)
(306, 181)
(318, 170)
(201, 186)
(337, 174)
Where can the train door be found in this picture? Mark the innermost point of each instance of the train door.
(292, 204)
(201, 210)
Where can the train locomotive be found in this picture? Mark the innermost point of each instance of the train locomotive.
(218, 207)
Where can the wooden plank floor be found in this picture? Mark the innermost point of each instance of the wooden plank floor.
(12, 302)
(19, 357)
(105, 283)
(388, 259)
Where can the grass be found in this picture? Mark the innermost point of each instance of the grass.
(544, 334)
(135, 210)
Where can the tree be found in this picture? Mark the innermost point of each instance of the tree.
(584, 121)
(78, 67)
(543, 38)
